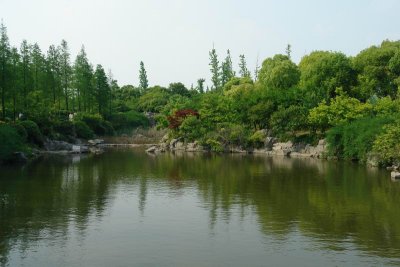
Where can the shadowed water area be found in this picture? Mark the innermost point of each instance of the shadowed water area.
(128, 208)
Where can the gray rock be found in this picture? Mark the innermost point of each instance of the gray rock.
(395, 175)
(164, 139)
(179, 146)
(322, 142)
(80, 149)
(372, 160)
(237, 149)
(53, 145)
(173, 142)
(96, 142)
(151, 149)
(392, 168)
(269, 142)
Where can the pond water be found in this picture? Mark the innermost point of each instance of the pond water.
(128, 208)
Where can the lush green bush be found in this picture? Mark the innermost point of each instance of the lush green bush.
(82, 130)
(128, 120)
(355, 139)
(34, 134)
(10, 141)
(341, 109)
(257, 139)
(286, 121)
(233, 134)
(96, 123)
(191, 128)
(20, 130)
(211, 140)
(387, 146)
(64, 127)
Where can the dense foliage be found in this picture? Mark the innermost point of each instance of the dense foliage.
(352, 99)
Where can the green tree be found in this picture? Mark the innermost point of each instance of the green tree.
(243, 70)
(143, 82)
(178, 88)
(15, 77)
(374, 73)
(4, 62)
(289, 51)
(279, 73)
(227, 72)
(102, 90)
(26, 73)
(322, 72)
(200, 85)
(215, 69)
(53, 67)
(66, 72)
(83, 75)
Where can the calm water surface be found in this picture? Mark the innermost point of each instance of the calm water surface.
(127, 208)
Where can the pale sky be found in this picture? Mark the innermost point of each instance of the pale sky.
(173, 37)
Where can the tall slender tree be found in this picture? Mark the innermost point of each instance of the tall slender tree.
(243, 70)
(15, 63)
(143, 81)
(200, 85)
(25, 69)
(83, 75)
(65, 71)
(215, 69)
(227, 72)
(54, 73)
(4, 62)
(289, 51)
(102, 89)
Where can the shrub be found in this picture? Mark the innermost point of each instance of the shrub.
(64, 127)
(355, 139)
(191, 129)
(257, 139)
(233, 134)
(341, 109)
(82, 130)
(286, 121)
(10, 141)
(34, 134)
(386, 145)
(20, 130)
(128, 120)
(96, 123)
(176, 120)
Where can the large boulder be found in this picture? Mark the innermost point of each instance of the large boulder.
(269, 142)
(151, 149)
(282, 149)
(194, 147)
(395, 175)
(179, 145)
(173, 142)
(96, 142)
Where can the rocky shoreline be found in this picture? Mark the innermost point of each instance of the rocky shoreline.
(271, 147)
